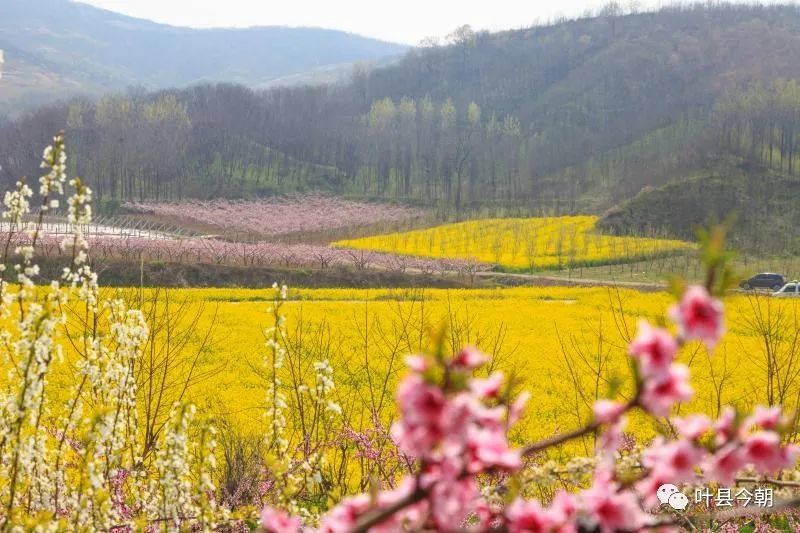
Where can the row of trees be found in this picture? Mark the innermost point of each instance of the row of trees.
(762, 125)
(420, 148)
(230, 141)
(583, 114)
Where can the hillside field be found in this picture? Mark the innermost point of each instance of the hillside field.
(521, 244)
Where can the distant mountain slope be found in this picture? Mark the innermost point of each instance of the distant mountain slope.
(77, 46)
(583, 87)
(575, 117)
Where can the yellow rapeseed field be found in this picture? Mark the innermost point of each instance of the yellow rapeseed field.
(548, 339)
(520, 243)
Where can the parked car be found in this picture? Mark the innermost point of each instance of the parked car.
(765, 280)
(790, 290)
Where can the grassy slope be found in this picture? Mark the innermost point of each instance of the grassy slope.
(764, 207)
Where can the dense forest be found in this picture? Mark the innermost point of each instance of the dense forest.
(579, 115)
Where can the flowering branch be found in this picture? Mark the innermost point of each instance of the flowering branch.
(68, 459)
(378, 516)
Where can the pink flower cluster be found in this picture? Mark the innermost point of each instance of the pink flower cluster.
(699, 316)
(262, 254)
(664, 382)
(454, 427)
(453, 434)
(280, 215)
(754, 443)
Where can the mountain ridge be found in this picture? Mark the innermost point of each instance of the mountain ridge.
(100, 50)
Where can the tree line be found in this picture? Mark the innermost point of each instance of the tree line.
(579, 115)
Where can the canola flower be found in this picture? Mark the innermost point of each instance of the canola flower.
(587, 323)
(521, 244)
(453, 428)
(76, 454)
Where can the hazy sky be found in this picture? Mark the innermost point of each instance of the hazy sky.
(405, 21)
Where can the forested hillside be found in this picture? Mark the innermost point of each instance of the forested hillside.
(58, 47)
(573, 117)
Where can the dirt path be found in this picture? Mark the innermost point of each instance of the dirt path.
(536, 279)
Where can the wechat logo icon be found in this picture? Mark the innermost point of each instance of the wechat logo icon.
(670, 495)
